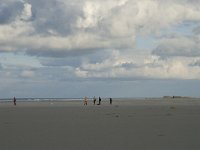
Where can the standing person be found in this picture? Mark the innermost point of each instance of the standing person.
(110, 101)
(85, 100)
(99, 101)
(14, 101)
(94, 100)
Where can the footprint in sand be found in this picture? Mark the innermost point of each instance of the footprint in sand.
(168, 114)
(161, 135)
(117, 116)
(173, 108)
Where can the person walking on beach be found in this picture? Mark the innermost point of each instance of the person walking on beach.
(110, 101)
(99, 101)
(14, 101)
(94, 100)
(85, 100)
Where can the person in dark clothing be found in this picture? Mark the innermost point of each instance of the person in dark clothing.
(99, 101)
(94, 100)
(14, 101)
(110, 101)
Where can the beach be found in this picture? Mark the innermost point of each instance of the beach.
(143, 124)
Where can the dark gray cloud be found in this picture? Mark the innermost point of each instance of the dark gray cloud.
(197, 30)
(1, 67)
(129, 65)
(132, 65)
(54, 17)
(9, 11)
(60, 53)
(76, 60)
(187, 46)
(169, 51)
(56, 62)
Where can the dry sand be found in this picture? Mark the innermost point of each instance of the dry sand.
(165, 124)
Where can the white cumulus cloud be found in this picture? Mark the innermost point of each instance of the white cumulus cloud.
(103, 35)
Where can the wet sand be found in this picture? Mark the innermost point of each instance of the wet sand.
(162, 124)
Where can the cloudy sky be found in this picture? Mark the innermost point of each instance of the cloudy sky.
(114, 48)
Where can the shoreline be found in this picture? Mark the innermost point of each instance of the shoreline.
(105, 102)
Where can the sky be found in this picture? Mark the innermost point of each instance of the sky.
(115, 48)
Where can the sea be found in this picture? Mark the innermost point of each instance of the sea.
(40, 99)
(67, 99)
